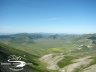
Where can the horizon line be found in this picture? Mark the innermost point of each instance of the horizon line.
(44, 33)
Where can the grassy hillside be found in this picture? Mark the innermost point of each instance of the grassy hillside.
(6, 51)
(35, 45)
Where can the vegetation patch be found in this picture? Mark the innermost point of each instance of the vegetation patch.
(65, 61)
(80, 69)
(94, 60)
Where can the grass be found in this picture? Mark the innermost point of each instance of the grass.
(80, 69)
(6, 51)
(94, 60)
(42, 47)
(65, 61)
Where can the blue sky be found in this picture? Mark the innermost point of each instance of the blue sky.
(48, 16)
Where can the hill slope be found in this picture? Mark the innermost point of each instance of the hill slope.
(6, 51)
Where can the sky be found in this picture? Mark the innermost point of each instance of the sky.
(48, 16)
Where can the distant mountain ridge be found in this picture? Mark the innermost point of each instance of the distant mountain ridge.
(30, 37)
